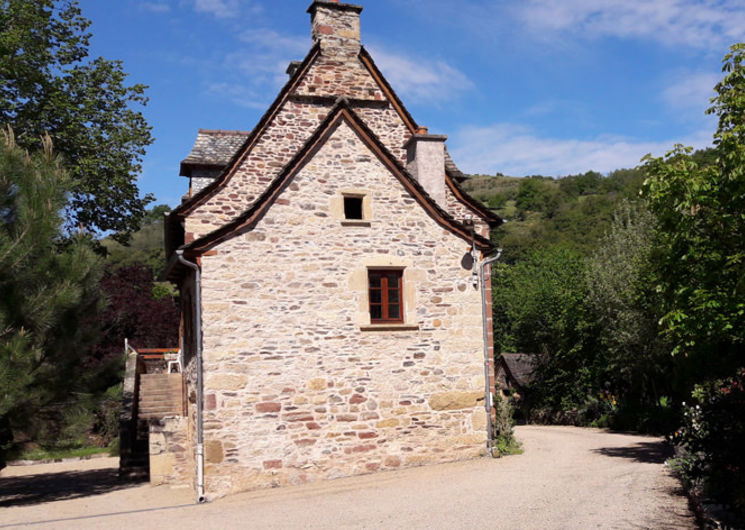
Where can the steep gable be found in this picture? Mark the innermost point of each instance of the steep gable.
(340, 114)
(336, 66)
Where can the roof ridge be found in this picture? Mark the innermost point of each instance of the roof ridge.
(227, 132)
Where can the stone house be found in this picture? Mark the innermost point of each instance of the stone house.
(333, 318)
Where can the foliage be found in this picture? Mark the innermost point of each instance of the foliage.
(503, 433)
(144, 247)
(134, 313)
(712, 438)
(699, 210)
(47, 85)
(536, 194)
(48, 284)
(39, 453)
(538, 308)
(635, 363)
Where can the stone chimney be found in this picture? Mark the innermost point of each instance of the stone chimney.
(425, 160)
(337, 26)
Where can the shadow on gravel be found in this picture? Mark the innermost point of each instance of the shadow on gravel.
(48, 487)
(646, 452)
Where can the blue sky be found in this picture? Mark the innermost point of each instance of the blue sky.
(550, 87)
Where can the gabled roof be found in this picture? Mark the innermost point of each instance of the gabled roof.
(216, 142)
(214, 186)
(341, 111)
(492, 219)
(213, 149)
(520, 366)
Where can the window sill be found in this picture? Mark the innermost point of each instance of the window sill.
(390, 327)
(355, 222)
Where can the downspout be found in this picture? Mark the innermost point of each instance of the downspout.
(198, 337)
(487, 387)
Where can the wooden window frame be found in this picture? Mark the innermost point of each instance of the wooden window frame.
(385, 304)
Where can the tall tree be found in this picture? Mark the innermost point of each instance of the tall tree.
(636, 364)
(699, 210)
(47, 85)
(47, 286)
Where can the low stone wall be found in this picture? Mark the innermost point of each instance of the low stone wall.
(170, 458)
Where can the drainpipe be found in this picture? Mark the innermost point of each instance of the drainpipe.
(198, 336)
(485, 325)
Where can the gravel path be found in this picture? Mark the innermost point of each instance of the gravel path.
(567, 478)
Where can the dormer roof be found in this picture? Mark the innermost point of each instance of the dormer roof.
(213, 149)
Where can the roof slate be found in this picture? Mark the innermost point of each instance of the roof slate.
(215, 147)
(521, 366)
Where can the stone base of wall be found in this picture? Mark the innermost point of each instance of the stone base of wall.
(170, 457)
(351, 448)
(276, 474)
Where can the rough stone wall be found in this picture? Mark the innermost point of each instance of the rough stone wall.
(171, 461)
(462, 212)
(338, 30)
(298, 385)
(290, 129)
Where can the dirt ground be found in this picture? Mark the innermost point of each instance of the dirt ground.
(567, 478)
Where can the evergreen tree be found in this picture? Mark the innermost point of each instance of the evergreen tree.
(48, 283)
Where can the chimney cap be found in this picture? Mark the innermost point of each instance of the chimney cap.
(419, 137)
(334, 4)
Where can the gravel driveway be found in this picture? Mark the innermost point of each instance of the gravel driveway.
(567, 478)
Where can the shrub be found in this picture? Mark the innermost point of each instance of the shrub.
(711, 441)
(503, 433)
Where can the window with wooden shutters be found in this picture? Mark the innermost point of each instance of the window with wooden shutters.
(385, 290)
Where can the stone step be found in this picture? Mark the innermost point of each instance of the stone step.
(176, 394)
(160, 378)
(158, 402)
(149, 413)
(160, 407)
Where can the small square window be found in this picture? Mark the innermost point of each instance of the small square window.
(353, 207)
(384, 291)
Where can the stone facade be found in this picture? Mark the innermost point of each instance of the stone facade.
(171, 459)
(299, 383)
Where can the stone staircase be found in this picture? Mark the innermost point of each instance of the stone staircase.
(160, 395)
(149, 393)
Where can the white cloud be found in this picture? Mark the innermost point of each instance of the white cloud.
(269, 39)
(240, 94)
(265, 58)
(708, 24)
(690, 90)
(155, 7)
(518, 150)
(420, 79)
(218, 8)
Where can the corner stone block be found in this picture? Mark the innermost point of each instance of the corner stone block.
(478, 420)
(213, 452)
(227, 382)
(161, 468)
(455, 400)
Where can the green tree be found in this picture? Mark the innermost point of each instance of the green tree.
(48, 284)
(699, 210)
(47, 85)
(145, 245)
(635, 364)
(538, 309)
